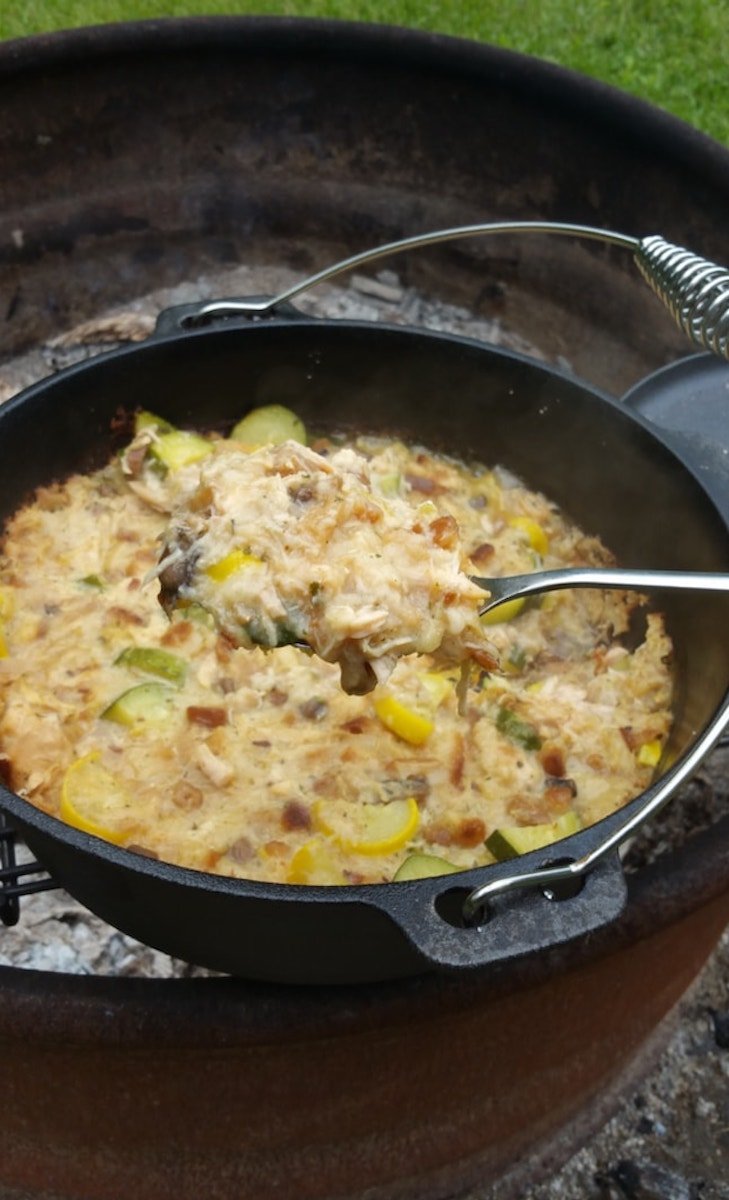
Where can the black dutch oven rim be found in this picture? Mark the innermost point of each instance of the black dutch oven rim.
(604, 886)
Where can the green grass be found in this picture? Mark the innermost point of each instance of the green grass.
(674, 53)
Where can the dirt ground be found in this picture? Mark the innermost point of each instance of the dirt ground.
(669, 1139)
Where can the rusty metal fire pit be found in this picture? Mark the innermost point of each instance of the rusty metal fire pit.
(137, 157)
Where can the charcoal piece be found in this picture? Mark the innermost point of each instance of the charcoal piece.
(721, 1028)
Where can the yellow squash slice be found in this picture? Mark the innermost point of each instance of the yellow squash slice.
(371, 829)
(93, 800)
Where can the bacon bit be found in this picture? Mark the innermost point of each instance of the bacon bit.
(629, 737)
(444, 531)
(276, 849)
(223, 649)
(470, 832)
(263, 742)
(314, 709)
(424, 484)
(134, 459)
(241, 851)
(277, 697)
(354, 876)
(552, 760)
(482, 553)
(211, 859)
(417, 786)
(134, 584)
(559, 794)
(529, 810)
(295, 815)
(128, 535)
(486, 659)
(458, 761)
(201, 499)
(438, 834)
(364, 511)
(596, 762)
(598, 657)
(186, 796)
(210, 717)
(178, 632)
(302, 493)
(52, 499)
(356, 724)
(125, 615)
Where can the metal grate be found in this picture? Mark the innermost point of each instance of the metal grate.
(11, 873)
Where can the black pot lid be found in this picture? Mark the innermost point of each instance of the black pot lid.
(690, 396)
(689, 401)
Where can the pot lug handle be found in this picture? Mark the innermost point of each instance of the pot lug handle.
(201, 314)
(539, 900)
(515, 922)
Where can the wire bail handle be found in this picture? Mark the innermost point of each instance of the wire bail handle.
(694, 290)
(696, 293)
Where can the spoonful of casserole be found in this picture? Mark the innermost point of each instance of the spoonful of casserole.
(285, 545)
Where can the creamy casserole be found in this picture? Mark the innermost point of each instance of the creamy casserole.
(158, 731)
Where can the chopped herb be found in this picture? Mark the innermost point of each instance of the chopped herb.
(270, 634)
(195, 612)
(517, 658)
(521, 732)
(92, 581)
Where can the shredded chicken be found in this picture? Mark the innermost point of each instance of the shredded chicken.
(156, 732)
(283, 545)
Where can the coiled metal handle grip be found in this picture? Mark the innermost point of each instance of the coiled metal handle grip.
(695, 291)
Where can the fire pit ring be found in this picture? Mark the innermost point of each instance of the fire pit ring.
(426, 1087)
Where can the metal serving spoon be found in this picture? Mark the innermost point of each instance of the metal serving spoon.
(513, 587)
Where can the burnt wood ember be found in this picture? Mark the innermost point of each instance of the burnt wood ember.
(721, 1029)
(645, 1181)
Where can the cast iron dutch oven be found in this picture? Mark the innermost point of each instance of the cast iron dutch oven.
(649, 494)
